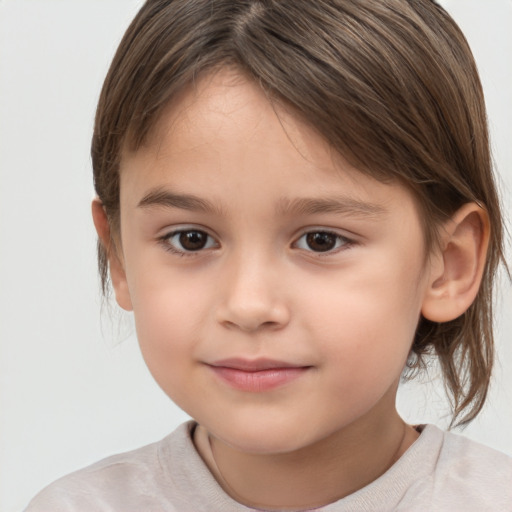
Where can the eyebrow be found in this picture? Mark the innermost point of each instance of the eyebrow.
(158, 198)
(161, 198)
(340, 205)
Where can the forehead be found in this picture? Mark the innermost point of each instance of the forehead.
(227, 103)
(224, 104)
(225, 121)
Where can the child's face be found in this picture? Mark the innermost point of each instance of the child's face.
(245, 239)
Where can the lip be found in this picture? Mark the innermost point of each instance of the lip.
(256, 375)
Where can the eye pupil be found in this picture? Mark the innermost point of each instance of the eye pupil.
(321, 241)
(193, 240)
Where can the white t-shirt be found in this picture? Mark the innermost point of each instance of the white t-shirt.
(439, 472)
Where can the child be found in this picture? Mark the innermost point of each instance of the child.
(295, 198)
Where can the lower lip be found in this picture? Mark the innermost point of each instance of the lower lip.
(258, 381)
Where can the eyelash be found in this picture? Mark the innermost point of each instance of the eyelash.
(168, 246)
(341, 242)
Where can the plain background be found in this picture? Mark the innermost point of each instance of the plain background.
(73, 387)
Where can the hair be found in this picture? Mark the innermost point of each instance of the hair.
(390, 84)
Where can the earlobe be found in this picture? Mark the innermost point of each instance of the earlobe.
(116, 266)
(457, 267)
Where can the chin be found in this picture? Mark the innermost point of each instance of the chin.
(260, 443)
(262, 437)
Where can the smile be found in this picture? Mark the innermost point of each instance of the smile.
(256, 376)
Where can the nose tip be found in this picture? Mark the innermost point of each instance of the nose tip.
(252, 301)
(251, 318)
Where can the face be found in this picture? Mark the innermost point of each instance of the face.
(276, 290)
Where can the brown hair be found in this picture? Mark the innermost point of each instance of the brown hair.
(391, 84)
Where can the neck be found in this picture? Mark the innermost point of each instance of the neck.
(313, 476)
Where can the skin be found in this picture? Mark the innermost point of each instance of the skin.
(258, 289)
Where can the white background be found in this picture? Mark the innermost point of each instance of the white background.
(71, 390)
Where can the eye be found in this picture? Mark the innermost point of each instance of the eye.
(189, 240)
(321, 241)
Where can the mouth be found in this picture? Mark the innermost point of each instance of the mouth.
(257, 375)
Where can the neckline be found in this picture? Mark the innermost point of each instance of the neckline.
(384, 492)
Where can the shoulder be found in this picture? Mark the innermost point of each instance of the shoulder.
(441, 472)
(136, 480)
(468, 473)
(464, 458)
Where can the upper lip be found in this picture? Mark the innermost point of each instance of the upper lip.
(254, 365)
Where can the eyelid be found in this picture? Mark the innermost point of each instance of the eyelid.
(169, 233)
(348, 241)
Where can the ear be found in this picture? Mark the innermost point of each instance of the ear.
(115, 263)
(458, 266)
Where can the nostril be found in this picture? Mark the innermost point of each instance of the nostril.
(270, 325)
(253, 319)
(251, 326)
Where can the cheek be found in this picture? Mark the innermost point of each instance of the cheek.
(167, 302)
(169, 323)
(366, 324)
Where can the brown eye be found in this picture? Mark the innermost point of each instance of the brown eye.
(321, 241)
(193, 240)
(190, 240)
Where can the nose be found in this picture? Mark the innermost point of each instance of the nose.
(253, 297)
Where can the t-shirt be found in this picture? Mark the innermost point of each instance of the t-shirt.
(439, 472)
